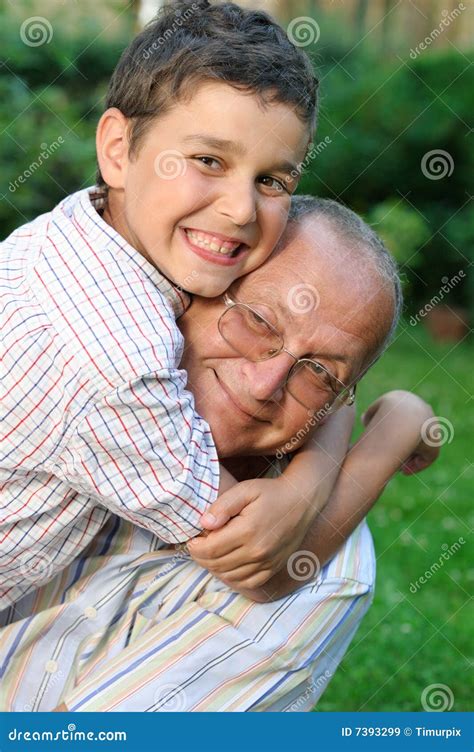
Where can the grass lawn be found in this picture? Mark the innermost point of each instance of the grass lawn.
(408, 640)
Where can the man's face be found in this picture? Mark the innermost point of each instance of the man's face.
(325, 310)
(206, 196)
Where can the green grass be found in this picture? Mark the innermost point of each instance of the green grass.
(407, 640)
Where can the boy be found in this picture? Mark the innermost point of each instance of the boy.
(196, 150)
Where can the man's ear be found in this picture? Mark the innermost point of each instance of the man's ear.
(112, 147)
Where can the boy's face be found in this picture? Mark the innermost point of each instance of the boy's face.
(206, 196)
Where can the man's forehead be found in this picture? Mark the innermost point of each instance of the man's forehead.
(296, 310)
(337, 321)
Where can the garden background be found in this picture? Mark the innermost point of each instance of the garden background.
(394, 144)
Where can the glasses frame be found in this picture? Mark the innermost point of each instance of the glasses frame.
(350, 390)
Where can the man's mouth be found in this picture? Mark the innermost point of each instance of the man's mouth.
(249, 413)
(222, 248)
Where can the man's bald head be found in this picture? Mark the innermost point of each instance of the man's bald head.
(355, 242)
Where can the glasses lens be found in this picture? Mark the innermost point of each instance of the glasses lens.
(248, 333)
(312, 385)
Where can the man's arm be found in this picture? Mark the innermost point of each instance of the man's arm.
(391, 438)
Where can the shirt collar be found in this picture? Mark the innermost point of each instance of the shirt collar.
(86, 210)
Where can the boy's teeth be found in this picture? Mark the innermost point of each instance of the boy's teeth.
(204, 241)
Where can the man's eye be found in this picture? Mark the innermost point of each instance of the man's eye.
(257, 323)
(256, 318)
(274, 183)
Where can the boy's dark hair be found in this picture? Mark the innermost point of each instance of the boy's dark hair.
(189, 42)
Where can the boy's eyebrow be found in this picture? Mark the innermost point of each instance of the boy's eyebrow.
(235, 148)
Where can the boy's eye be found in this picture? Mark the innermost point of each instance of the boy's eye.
(209, 161)
(274, 184)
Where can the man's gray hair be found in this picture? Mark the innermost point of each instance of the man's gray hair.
(353, 229)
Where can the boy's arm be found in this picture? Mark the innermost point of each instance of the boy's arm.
(391, 439)
(226, 480)
(307, 481)
(271, 516)
(143, 452)
(312, 473)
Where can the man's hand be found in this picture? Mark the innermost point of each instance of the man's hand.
(268, 524)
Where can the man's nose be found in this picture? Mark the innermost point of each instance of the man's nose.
(238, 201)
(266, 379)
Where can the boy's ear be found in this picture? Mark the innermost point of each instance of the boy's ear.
(112, 147)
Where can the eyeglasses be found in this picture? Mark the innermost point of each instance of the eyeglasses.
(249, 333)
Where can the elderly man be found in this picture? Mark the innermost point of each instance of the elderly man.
(135, 624)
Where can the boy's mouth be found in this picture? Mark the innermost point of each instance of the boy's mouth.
(223, 248)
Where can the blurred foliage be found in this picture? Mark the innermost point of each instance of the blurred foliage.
(50, 92)
(382, 114)
(402, 228)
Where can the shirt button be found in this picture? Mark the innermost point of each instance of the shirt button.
(90, 612)
(51, 667)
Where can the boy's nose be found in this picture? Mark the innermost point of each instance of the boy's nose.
(239, 202)
(266, 379)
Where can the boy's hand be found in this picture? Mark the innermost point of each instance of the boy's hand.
(267, 526)
(423, 456)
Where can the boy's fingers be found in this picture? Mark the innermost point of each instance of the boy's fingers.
(415, 465)
(217, 543)
(369, 413)
(228, 505)
(221, 564)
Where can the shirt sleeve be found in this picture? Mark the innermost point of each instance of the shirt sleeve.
(143, 453)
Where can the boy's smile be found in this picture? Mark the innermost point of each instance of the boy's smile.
(205, 198)
(215, 248)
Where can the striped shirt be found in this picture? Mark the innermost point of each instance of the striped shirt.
(133, 625)
(95, 416)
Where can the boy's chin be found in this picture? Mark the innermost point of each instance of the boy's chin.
(197, 286)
